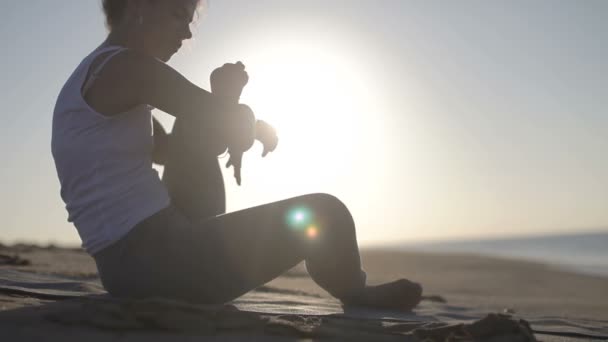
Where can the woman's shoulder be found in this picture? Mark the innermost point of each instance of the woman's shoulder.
(86, 74)
(80, 72)
(114, 81)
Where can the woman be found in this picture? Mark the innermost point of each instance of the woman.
(173, 238)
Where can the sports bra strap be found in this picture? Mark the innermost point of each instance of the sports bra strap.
(93, 75)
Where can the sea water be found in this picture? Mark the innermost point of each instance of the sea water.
(583, 253)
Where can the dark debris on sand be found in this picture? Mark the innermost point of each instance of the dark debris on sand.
(494, 327)
(13, 260)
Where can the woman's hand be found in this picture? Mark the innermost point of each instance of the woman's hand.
(267, 135)
(235, 160)
(229, 80)
(264, 133)
(241, 140)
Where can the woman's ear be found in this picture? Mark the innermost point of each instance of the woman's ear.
(134, 11)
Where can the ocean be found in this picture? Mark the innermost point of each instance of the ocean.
(582, 253)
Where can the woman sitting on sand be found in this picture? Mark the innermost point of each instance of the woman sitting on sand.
(173, 238)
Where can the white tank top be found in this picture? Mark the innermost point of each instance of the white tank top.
(104, 163)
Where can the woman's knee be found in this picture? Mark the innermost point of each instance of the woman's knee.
(329, 203)
(330, 213)
(189, 140)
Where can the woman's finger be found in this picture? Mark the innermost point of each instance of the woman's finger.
(238, 158)
(237, 175)
(235, 160)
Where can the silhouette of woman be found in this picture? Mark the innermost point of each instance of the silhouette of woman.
(173, 238)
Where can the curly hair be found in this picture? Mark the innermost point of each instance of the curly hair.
(114, 10)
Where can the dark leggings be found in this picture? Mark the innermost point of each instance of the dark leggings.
(193, 251)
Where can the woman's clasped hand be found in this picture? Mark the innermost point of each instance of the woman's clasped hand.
(228, 82)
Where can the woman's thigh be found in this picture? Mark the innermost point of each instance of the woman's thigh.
(231, 254)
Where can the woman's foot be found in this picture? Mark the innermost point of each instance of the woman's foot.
(400, 294)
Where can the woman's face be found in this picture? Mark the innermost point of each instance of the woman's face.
(164, 25)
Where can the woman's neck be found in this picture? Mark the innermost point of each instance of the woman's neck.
(124, 38)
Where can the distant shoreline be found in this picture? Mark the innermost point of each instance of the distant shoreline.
(584, 253)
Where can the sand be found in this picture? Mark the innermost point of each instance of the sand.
(54, 294)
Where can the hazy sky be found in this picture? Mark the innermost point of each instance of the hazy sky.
(429, 119)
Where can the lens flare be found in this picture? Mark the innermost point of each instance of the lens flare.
(312, 232)
(298, 218)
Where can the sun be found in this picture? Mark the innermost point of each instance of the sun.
(319, 102)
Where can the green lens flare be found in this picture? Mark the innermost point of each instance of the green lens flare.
(298, 218)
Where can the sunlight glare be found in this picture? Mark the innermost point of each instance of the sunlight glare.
(322, 106)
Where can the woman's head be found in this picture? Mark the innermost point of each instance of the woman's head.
(157, 26)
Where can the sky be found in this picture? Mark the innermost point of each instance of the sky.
(428, 119)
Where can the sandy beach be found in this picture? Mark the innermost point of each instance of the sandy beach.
(54, 293)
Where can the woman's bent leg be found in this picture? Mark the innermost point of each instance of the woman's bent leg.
(253, 246)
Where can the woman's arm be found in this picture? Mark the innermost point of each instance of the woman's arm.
(130, 79)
